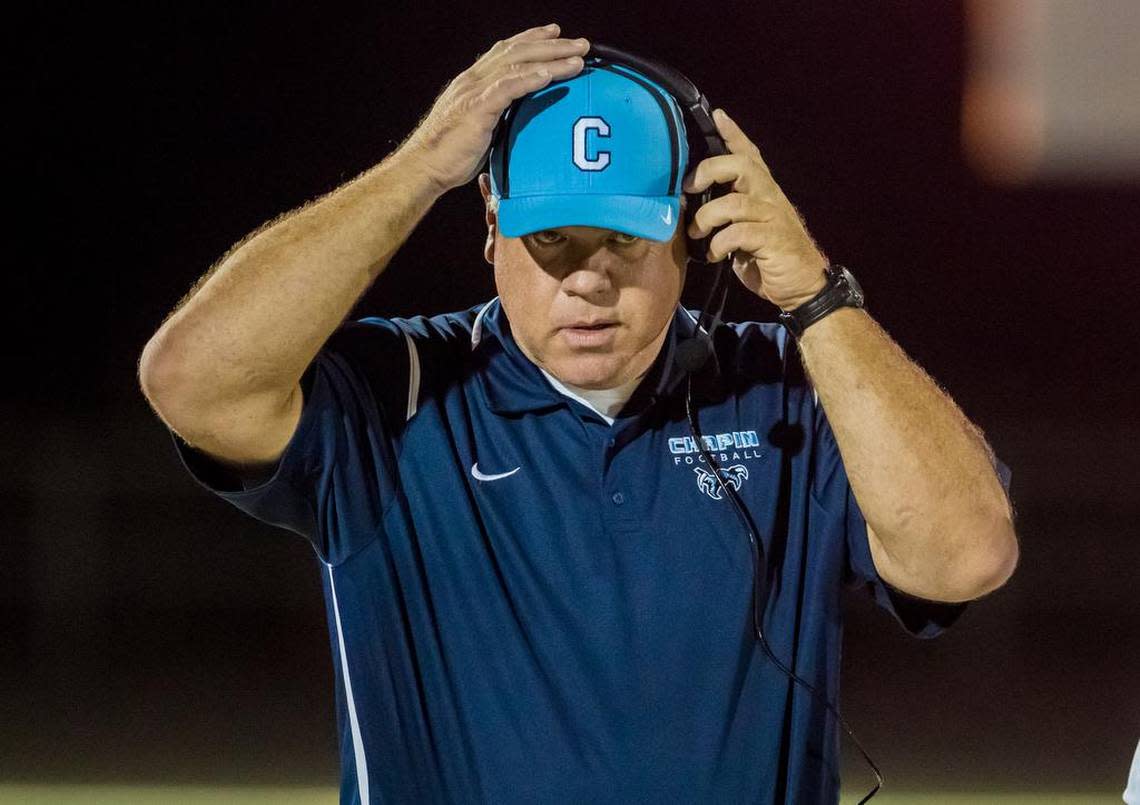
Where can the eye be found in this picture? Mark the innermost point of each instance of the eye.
(549, 237)
(543, 239)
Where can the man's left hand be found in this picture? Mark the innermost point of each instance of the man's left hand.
(774, 256)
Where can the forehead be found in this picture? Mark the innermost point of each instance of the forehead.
(581, 231)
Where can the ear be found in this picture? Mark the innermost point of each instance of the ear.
(491, 216)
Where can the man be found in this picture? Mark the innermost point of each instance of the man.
(536, 591)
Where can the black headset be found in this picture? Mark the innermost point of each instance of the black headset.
(693, 353)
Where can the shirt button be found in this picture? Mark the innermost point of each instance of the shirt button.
(611, 442)
(619, 498)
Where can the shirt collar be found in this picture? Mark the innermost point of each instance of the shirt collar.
(512, 383)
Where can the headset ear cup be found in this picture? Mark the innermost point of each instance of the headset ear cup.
(692, 204)
(698, 247)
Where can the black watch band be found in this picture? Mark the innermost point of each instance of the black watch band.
(842, 291)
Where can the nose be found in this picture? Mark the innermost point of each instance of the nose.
(589, 279)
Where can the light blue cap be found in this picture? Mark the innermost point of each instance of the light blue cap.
(604, 148)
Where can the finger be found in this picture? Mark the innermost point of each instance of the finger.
(538, 32)
(542, 49)
(530, 34)
(745, 236)
(725, 210)
(744, 265)
(514, 84)
(722, 169)
(521, 56)
(558, 69)
(734, 136)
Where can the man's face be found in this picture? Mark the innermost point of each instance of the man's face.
(620, 290)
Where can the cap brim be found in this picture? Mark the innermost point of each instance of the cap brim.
(652, 217)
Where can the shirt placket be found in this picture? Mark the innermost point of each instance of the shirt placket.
(620, 491)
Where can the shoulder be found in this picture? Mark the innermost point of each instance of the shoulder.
(442, 327)
(754, 349)
(760, 336)
(441, 342)
(430, 352)
(398, 357)
(754, 335)
(416, 332)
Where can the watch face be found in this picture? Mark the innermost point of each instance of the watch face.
(855, 287)
(791, 324)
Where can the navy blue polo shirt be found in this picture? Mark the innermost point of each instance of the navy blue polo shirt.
(527, 604)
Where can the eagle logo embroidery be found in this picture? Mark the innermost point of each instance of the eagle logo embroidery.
(734, 476)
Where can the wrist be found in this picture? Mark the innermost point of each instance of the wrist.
(812, 291)
(412, 160)
(841, 290)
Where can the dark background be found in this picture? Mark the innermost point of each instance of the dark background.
(151, 632)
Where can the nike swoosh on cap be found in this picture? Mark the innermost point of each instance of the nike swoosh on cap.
(667, 218)
(479, 476)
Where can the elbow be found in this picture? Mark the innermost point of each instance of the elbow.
(1000, 553)
(1010, 555)
(995, 549)
(154, 369)
(161, 375)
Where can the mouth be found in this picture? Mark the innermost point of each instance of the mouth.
(588, 334)
(590, 325)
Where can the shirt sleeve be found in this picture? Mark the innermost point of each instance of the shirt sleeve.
(920, 617)
(337, 473)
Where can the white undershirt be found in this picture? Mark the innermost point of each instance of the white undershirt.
(605, 402)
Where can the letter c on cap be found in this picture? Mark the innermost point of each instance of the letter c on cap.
(581, 126)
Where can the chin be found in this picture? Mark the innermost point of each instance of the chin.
(589, 371)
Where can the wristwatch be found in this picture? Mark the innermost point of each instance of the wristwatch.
(842, 291)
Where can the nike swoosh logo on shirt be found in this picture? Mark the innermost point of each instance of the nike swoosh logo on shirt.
(479, 476)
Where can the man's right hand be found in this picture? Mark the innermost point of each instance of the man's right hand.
(451, 141)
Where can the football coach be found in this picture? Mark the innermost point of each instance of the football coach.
(536, 588)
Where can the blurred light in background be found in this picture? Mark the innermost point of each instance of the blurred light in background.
(1052, 90)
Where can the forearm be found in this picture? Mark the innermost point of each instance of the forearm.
(920, 470)
(257, 319)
